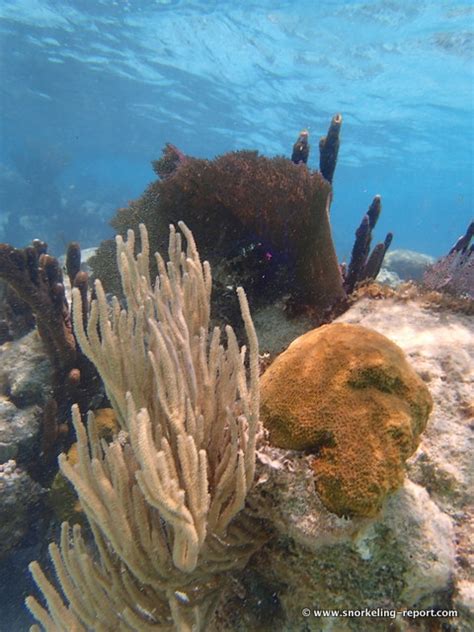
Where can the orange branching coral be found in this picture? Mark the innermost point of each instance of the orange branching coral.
(348, 394)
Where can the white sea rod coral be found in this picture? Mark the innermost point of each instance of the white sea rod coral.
(163, 499)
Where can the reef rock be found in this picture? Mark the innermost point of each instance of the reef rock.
(18, 494)
(388, 277)
(18, 428)
(440, 346)
(353, 400)
(409, 265)
(416, 554)
(24, 384)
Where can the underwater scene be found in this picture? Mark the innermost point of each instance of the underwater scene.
(236, 316)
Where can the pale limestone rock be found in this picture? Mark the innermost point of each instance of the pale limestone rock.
(409, 265)
(464, 603)
(425, 538)
(18, 428)
(24, 370)
(24, 386)
(388, 277)
(417, 552)
(275, 330)
(18, 495)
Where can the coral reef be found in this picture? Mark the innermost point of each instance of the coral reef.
(300, 153)
(454, 273)
(242, 199)
(37, 279)
(416, 553)
(265, 219)
(439, 342)
(362, 266)
(16, 317)
(169, 162)
(164, 498)
(403, 559)
(408, 265)
(329, 148)
(355, 401)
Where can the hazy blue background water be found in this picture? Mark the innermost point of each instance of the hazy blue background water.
(92, 89)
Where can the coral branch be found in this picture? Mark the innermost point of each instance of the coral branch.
(172, 158)
(374, 211)
(301, 149)
(329, 148)
(362, 266)
(37, 279)
(73, 260)
(374, 262)
(164, 498)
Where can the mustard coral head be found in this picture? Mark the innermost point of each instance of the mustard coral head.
(347, 394)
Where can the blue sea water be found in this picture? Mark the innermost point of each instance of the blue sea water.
(92, 89)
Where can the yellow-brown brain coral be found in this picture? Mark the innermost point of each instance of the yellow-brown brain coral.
(348, 394)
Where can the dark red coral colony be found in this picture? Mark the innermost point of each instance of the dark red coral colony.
(261, 222)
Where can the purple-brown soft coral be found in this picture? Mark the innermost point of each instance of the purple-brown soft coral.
(454, 273)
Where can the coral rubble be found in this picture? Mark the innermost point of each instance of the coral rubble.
(355, 401)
